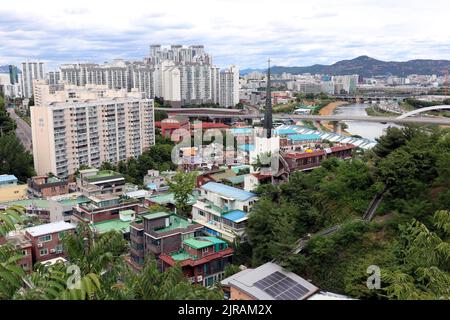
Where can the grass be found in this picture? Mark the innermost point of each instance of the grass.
(375, 111)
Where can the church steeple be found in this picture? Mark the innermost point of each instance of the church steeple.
(268, 111)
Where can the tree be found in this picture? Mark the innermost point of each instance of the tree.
(14, 159)
(182, 185)
(230, 270)
(424, 272)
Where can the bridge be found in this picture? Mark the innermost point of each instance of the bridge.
(217, 113)
(414, 112)
(373, 98)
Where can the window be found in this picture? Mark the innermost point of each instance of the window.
(45, 238)
(24, 252)
(204, 250)
(43, 252)
(59, 248)
(201, 213)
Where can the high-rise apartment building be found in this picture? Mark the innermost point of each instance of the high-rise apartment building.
(181, 75)
(88, 125)
(31, 71)
(229, 87)
(10, 81)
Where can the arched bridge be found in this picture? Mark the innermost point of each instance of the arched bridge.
(411, 113)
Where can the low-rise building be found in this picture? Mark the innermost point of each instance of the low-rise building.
(46, 240)
(95, 182)
(10, 189)
(23, 247)
(223, 210)
(202, 259)
(45, 186)
(104, 207)
(159, 233)
(271, 282)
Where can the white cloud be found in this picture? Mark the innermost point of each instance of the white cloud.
(243, 32)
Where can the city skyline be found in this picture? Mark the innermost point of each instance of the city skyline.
(305, 34)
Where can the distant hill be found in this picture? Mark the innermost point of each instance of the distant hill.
(243, 72)
(368, 67)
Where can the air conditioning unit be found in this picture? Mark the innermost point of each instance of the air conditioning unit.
(52, 250)
(199, 278)
(40, 245)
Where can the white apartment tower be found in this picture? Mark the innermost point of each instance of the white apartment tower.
(229, 87)
(31, 71)
(88, 125)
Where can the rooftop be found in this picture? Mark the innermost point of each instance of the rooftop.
(37, 203)
(235, 216)
(227, 191)
(49, 228)
(271, 282)
(5, 178)
(304, 137)
(241, 130)
(112, 225)
(103, 174)
(202, 242)
(151, 216)
(168, 198)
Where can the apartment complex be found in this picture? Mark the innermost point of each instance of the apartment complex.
(223, 210)
(180, 75)
(89, 125)
(31, 71)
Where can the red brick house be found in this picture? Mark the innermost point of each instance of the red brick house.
(46, 240)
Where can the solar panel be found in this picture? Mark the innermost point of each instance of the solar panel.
(281, 287)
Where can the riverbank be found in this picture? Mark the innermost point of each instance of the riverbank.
(329, 108)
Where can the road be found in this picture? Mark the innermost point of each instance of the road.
(224, 113)
(23, 131)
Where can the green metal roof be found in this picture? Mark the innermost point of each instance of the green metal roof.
(215, 240)
(166, 198)
(176, 222)
(112, 225)
(180, 256)
(197, 244)
(237, 179)
(128, 212)
(100, 175)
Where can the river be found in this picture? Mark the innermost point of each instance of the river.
(369, 130)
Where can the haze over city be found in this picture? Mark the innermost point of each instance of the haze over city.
(242, 33)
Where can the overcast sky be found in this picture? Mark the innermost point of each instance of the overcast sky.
(241, 32)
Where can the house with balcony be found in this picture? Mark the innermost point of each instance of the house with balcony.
(104, 207)
(46, 240)
(202, 259)
(159, 233)
(223, 210)
(95, 182)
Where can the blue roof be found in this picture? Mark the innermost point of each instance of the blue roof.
(247, 147)
(241, 130)
(285, 131)
(228, 191)
(304, 137)
(235, 216)
(7, 178)
(152, 186)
